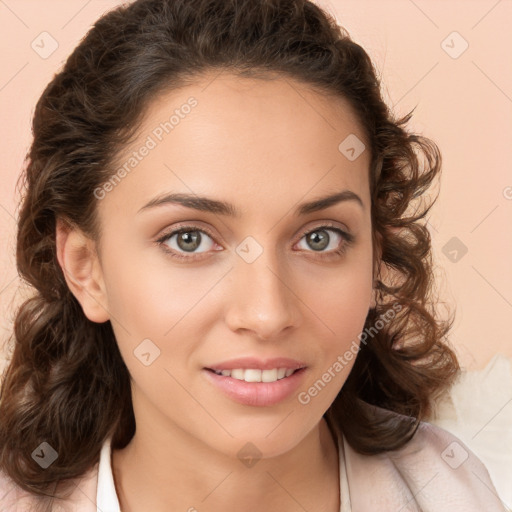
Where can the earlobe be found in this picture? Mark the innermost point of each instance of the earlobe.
(79, 262)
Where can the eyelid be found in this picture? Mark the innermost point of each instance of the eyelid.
(328, 224)
(184, 226)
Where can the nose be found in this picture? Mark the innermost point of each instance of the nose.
(262, 298)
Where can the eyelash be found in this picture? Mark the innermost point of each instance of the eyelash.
(348, 240)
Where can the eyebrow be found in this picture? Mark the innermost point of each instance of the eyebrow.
(206, 204)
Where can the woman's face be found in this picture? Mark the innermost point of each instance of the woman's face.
(244, 281)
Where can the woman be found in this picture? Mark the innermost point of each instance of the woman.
(233, 302)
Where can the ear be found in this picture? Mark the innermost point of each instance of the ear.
(78, 259)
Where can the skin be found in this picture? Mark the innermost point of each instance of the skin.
(264, 146)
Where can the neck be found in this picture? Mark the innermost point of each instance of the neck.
(177, 472)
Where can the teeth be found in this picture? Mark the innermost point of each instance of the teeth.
(254, 375)
(237, 374)
(268, 375)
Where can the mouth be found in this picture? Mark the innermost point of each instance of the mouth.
(257, 375)
(257, 387)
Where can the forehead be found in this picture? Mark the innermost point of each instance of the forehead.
(263, 100)
(270, 137)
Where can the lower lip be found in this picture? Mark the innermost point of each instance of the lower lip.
(257, 393)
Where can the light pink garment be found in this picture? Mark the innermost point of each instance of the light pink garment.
(434, 472)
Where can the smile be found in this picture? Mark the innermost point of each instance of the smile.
(248, 387)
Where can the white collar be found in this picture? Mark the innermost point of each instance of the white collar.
(106, 496)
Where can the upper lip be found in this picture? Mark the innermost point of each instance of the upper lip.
(259, 364)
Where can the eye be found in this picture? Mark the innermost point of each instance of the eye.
(329, 237)
(186, 239)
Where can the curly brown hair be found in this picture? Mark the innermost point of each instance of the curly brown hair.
(66, 382)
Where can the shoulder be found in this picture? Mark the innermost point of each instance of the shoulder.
(82, 498)
(435, 471)
(453, 467)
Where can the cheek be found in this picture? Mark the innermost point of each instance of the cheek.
(342, 298)
(155, 310)
(339, 310)
(344, 309)
(150, 299)
(165, 311)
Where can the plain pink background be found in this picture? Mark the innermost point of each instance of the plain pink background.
(464, 103)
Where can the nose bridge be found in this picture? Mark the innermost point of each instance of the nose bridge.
(262, 296)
